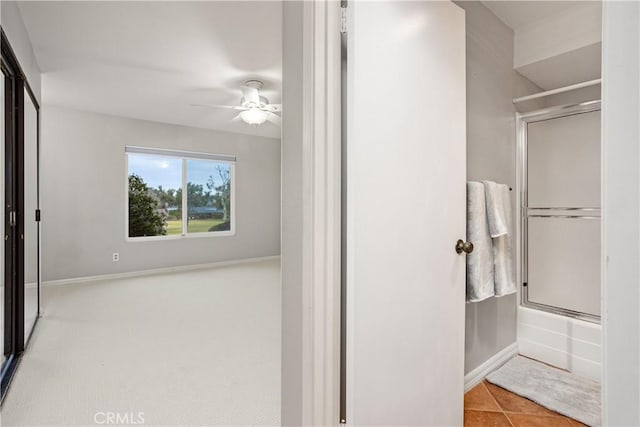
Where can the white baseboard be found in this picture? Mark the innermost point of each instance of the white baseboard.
(476, 376)
(154, 271)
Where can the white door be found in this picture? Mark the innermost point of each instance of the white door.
(406, 207)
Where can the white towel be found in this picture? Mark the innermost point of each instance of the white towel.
(495, 212)
(499, 202)
(480, 278)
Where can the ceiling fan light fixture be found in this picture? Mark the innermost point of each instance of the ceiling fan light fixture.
(254, 116)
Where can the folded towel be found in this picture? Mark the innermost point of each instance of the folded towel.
(505, 283)
(480, 278)
(495, 213)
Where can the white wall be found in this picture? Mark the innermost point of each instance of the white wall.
(621, 209)
(16, 32)
(83, 195)
(491, 85)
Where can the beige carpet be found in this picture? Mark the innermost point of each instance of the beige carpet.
(195, 348)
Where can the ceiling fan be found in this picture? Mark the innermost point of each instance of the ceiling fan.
(254, 109)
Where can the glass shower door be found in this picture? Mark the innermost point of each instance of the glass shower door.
(561, 225)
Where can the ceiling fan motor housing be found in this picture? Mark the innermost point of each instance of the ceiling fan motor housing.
(263, 101)
(255, 84)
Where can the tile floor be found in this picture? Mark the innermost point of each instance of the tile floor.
(489, 405)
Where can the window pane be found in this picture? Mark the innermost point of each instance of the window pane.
(208, 196)
(155, 195)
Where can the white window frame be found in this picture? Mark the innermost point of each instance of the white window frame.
(183, 156)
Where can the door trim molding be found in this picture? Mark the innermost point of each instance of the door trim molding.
(311, 206)
(621, 210)
(325, 211)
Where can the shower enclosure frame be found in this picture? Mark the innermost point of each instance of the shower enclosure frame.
(522, 121)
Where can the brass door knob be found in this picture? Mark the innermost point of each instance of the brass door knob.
(462, 246)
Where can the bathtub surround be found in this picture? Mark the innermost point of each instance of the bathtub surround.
(563, 148)
(571, 344)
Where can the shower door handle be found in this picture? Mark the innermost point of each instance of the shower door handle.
(462, 246)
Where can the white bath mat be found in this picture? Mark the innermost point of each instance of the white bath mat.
(555, 389)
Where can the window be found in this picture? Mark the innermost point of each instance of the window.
(161, 182)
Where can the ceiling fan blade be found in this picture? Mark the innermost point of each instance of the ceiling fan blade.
(251, 95)
(274, 108)
(274, 118)
(228, 107)
(236, 119)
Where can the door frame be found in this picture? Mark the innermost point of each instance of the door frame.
(311, 205)
(310, 385)
(620, 213)
(14, 245)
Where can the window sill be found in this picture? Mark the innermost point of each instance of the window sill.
(205, 234)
